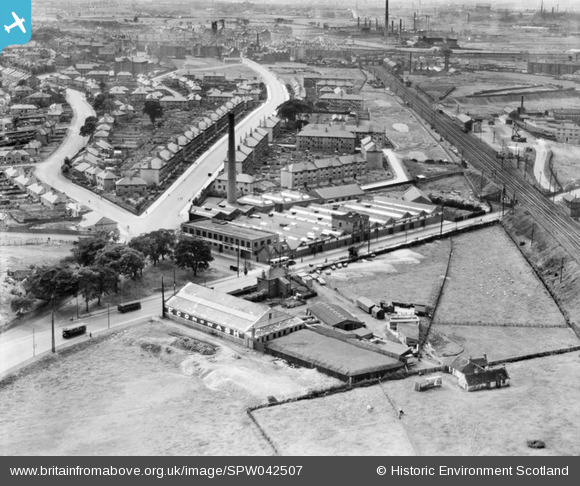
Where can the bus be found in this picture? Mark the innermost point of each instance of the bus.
(71, 331)
(280, 261)
(129, 306)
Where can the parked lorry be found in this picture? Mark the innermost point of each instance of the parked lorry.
(365, 304)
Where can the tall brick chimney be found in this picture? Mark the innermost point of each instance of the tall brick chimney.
(231, 159)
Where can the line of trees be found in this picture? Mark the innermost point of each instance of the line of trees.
(94, 268)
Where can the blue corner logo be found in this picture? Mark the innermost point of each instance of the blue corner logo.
(15, 22)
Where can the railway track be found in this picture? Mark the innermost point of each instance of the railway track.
(481, 156)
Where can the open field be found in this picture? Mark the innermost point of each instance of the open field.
(339, 425)
(401, 127)
(539, 404)
(403, 275)
(491, 282)
(498, 342)
(136, 393)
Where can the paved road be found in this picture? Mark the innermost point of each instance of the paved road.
(16, 344)
(49, 170)
(171, 208)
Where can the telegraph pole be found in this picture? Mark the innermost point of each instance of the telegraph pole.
(162, 297)
(52, 327)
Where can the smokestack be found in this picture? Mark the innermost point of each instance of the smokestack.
(400, 25)
(522, 103)
(231, 158)
(414, 21)
(386, 18)
(358, 21)
(393, 26)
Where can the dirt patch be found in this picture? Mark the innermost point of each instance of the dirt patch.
(132, 397)
(189, 344)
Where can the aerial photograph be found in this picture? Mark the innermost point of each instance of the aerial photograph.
(273, 228)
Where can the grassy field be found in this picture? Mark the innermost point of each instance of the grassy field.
(491, 282)
(539, 404)
(136, 393)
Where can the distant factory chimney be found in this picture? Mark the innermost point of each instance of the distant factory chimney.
(386, 18)
(358, 21)
(258, 40)
(231, 159)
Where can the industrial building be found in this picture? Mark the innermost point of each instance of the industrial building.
(229, 317)
(335, 316)
(233, 238)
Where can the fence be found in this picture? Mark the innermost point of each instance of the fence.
(438, 297)
(499, 324)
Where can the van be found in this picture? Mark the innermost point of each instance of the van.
(129, 306)
(71, 331)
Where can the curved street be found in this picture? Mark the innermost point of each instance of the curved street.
(171, 208)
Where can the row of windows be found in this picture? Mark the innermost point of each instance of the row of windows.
(226, 239)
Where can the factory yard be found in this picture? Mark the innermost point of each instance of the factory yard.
(98, 400)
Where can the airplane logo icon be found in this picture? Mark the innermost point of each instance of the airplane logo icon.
(17, 23)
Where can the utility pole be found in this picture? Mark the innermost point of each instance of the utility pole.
(174, 291)
(52, 327)
(33, 344)
(238, 265)
(162, 297)
(532, 238)
(561, 269)
(441, 227)
(108, 316)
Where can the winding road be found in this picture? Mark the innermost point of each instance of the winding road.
(171, 208)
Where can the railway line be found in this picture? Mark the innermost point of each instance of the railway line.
(481, 156)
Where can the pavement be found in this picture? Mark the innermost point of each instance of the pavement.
(398, 168)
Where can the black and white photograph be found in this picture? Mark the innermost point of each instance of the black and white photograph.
(272, 228)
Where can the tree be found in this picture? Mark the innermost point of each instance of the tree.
(86, 285)
(85, 249)
(22, 82)
(95, 281)
(322, 105)
(146, 245)
(89, 127)
(153, 109)
(121, 259)
(165, 240)
(55, 282)
(156, 244)
(291, 108)
(21, 305)
(192, 253)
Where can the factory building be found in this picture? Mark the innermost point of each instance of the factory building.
(231, 238)
(229, 317)
(326, 139)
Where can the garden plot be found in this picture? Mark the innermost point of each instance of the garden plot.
(403, 275)
(491, 283)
